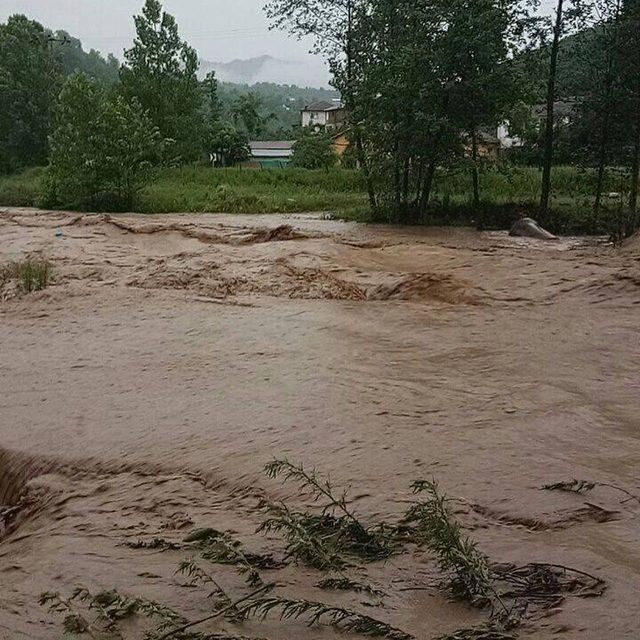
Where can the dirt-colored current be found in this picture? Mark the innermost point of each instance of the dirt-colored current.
(173, 356)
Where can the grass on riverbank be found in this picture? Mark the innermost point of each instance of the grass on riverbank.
(506, 192)
(197, 189)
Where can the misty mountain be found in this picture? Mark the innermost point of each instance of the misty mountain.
(308, 73)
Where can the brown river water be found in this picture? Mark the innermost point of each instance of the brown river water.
(173, 356)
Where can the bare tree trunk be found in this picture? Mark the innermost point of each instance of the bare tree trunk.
(551, 98)
(635, 162)
(602, 164)
(405, 181)
(426, 187)
(416, 202)
(349, 103)
(474, 169)
(606, 118)
(364, 165)
(635, 175)
(602, 152)
(599, 180)
(396, 175)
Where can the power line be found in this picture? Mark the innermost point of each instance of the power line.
(213, 35)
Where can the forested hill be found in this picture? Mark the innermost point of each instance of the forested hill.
(73, 59)
(280, 102)
(575, 62)
(577, 57)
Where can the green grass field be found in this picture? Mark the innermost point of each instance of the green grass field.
(250, 191)
(506, 191)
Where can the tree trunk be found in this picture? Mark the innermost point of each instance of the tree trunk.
(396, 176)
(474, 169)
(551, 98)
(426, 188)
(635, 176)
(364, 165)
(602, 152)
(405, 182)
(416, 201)
(599, 182)
(606, 117)
(349, 103)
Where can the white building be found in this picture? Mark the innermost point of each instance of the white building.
(330, 115)
(507, 141)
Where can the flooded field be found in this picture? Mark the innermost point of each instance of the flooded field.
(142, 394)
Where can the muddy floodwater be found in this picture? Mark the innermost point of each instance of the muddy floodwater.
(173, 356)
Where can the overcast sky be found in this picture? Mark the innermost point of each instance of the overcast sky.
(221, 30)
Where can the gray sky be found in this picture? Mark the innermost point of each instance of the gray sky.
(221, 30)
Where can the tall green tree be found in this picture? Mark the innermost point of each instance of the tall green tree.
(247, 112)
(230, 146)
(606, 77)
(630, 55)
(481, 38)
(417, 76)
(313, 150)
(30, 79)
(212, 103)
(332, 24)
(568, 14)
(103, 148)
(160, 73)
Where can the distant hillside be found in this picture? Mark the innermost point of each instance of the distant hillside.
(283, 102)
(577, 59)
(284, 87)
(269, 69)
(73, 59)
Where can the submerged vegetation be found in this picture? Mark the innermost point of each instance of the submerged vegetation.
(329, 536)
(458, 556)
(28, 275)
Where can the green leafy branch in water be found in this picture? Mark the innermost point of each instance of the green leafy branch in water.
(73, 623)
(320, 613)
(321, 539)
(109, 607)
(222, 601)
(458, 556)
(585, 486)
(486, 632)
(312, 485)
(158, 544)
(221, 548)
(346, 584)
(300, 532)
(573, 486)
(330, 538)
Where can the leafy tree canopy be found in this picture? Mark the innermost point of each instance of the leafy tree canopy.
(160, 72)
(30, 78)
(230, 146)
(313, 150)
(102, 149)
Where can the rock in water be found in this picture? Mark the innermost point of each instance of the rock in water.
(529, 228)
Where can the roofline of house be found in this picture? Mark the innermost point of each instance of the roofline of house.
(335, 108)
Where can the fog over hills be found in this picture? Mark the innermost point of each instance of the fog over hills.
(310, 73)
